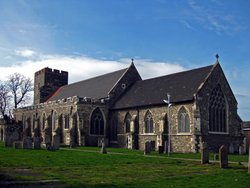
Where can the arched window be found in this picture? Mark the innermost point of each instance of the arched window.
(183, 121)
(217, 111)
(113, 131)
(43, 122)
(66, 121)
(127, 122)
(54, 121)
(97, 123)
(149, 123)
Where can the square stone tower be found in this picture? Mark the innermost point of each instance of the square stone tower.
(47, 81)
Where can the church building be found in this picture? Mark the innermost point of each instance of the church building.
(187, 108)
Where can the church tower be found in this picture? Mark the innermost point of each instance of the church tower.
(47, 81)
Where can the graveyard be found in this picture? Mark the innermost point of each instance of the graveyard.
(116, 167)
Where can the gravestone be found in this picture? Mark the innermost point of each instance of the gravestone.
(223, 157)
(8, 141)
(231, 148)
(249, 160)
(56, 142)
(160, 149)
(27, 143)
(204, 153)
(37, 143)
(242, 150)
(165, 146)
(18, 145)
(103, 149)
(147, 149)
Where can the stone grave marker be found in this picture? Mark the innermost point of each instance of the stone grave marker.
(27, 143)
(231, 148)
(18, 145)
(165, 146)
(56, 142)
(242, 150)
(8, 141)
(204, 153)
(223, 157)
(249, 160)
(160, 149)
(37, 143)
(147, 149)
(103, 149)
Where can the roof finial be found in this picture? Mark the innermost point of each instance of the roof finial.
(132, 60)
(217, 57)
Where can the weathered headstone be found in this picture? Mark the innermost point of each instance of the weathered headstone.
(37, 143)
(147, 149)
(204, 153)
(223, 157)
(249, 160)
(242, 150)
(18, 145)
(27, 143)
(8, 141)
(231, 148)
(160, 149)
(103, 149)
(56, 142)
(165, 146)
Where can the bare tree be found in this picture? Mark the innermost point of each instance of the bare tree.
(4, 98)
(19, 86)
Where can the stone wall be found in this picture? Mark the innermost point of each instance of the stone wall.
(233, 134)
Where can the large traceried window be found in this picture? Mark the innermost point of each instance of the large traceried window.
(127, 122)
(149, 123)
(97, 123)
(183, 121)
(217, 111)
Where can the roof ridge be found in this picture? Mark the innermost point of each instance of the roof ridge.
(97, 76)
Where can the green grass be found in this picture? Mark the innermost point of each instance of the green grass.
(85, 167)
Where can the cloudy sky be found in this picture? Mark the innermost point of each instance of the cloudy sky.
(92, 37)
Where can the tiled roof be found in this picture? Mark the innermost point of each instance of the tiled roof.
(97, 87)
(181, 86)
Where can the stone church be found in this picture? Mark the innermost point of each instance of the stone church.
(127, 111)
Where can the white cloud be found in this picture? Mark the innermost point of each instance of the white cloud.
(25, 52)
(83, 67)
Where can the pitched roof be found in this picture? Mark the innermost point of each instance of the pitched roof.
(97, 87)
(181, 86)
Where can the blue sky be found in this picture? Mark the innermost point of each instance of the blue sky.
(91, 37)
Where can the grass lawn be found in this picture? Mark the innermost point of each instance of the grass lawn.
(85, 167)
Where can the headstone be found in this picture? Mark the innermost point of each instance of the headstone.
(249, 160)
(165, 146)
(27, 143)
(37, 143)
(103, 149)
(231, 148)
(216, 157)
(152, 143)
(160, 149)
(8, 141)
(223, 157)
(56, 142)
(147, 149)
(18, 145)
(242, 150)
(204, 153)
